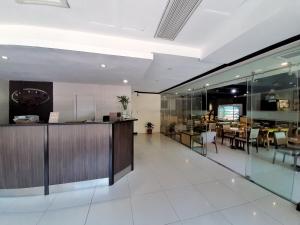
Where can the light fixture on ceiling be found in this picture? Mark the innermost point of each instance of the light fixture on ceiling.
(176, 93)
(284, 64)
(207, 84)
(57, 3)
(233, 91)
(125, 81)
(237, 76)
(189, 89)
(103, 65)
(4, 57)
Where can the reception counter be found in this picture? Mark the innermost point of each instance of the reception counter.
(41, 155)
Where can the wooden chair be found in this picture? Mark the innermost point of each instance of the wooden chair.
(226, 133)
(203, 139)
(249, 139)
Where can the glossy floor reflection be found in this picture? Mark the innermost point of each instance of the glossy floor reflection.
(170, 185)
(279, 177)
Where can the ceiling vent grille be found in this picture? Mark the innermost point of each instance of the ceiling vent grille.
(290, 55)
(175, 16)
(58, 3)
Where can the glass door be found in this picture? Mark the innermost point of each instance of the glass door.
(273, 109)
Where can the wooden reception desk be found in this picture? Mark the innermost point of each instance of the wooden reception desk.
(49, 154)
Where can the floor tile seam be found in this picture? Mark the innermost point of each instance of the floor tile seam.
(173, 208)
(241, 194)
(266, 212)
(47, 209)
(89, 209)
(263, 211)
(130, 202)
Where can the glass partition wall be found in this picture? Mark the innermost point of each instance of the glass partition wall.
(246, 118)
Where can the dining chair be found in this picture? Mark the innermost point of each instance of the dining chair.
(226, 133)
(250, 138)
(203, 139)
(282, 146)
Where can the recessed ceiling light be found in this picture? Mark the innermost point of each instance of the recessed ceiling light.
(189, 89)
(125, 81)
(284, 64)
(176, 93)
(233, 91)
(207, 85)
(4, 57)
(103, 66)
(58, 3)
(237, 76)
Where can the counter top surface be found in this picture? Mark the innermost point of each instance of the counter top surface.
(69, 123)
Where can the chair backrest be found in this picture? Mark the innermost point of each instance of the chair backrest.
(212, 126)
(226, 127)
(208, 137)
(280, 138)
(254, 133)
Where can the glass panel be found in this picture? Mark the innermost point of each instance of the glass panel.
(274, 113)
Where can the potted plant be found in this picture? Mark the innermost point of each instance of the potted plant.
(149, 127)
(124, 100)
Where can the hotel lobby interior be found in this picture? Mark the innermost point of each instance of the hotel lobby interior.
(139, 112)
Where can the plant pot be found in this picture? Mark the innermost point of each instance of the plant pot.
(149, 131)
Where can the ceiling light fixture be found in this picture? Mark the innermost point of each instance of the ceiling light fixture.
(189, 89)
(237, 76)
(103, 66)
(207, 85)
(233, 91)
(284, 64)
(4, 57)
(57, 3)
(125, 81)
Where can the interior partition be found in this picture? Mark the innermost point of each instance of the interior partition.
(246, 118)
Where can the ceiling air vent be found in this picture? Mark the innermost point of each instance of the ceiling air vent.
(176, 14)
(290, 55)
(58, 3)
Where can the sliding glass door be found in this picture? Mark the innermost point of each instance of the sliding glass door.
(274, 112)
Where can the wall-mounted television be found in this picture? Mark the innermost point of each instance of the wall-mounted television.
(230, 112)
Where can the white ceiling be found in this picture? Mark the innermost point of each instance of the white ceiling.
(121, 33)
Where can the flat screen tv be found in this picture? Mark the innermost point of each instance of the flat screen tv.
(229, 112)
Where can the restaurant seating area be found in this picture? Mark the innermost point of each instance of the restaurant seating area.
(252, 122)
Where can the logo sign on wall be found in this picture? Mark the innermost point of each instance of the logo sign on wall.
(30, 97)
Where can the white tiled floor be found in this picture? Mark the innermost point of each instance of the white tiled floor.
(279, 177)
(170, 185)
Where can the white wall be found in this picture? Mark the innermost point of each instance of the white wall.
(4, 102)
(146, 108)
(91, 97)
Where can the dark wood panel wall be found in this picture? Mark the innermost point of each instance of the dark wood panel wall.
(123, 145)
(22, 156)
(78, 152)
